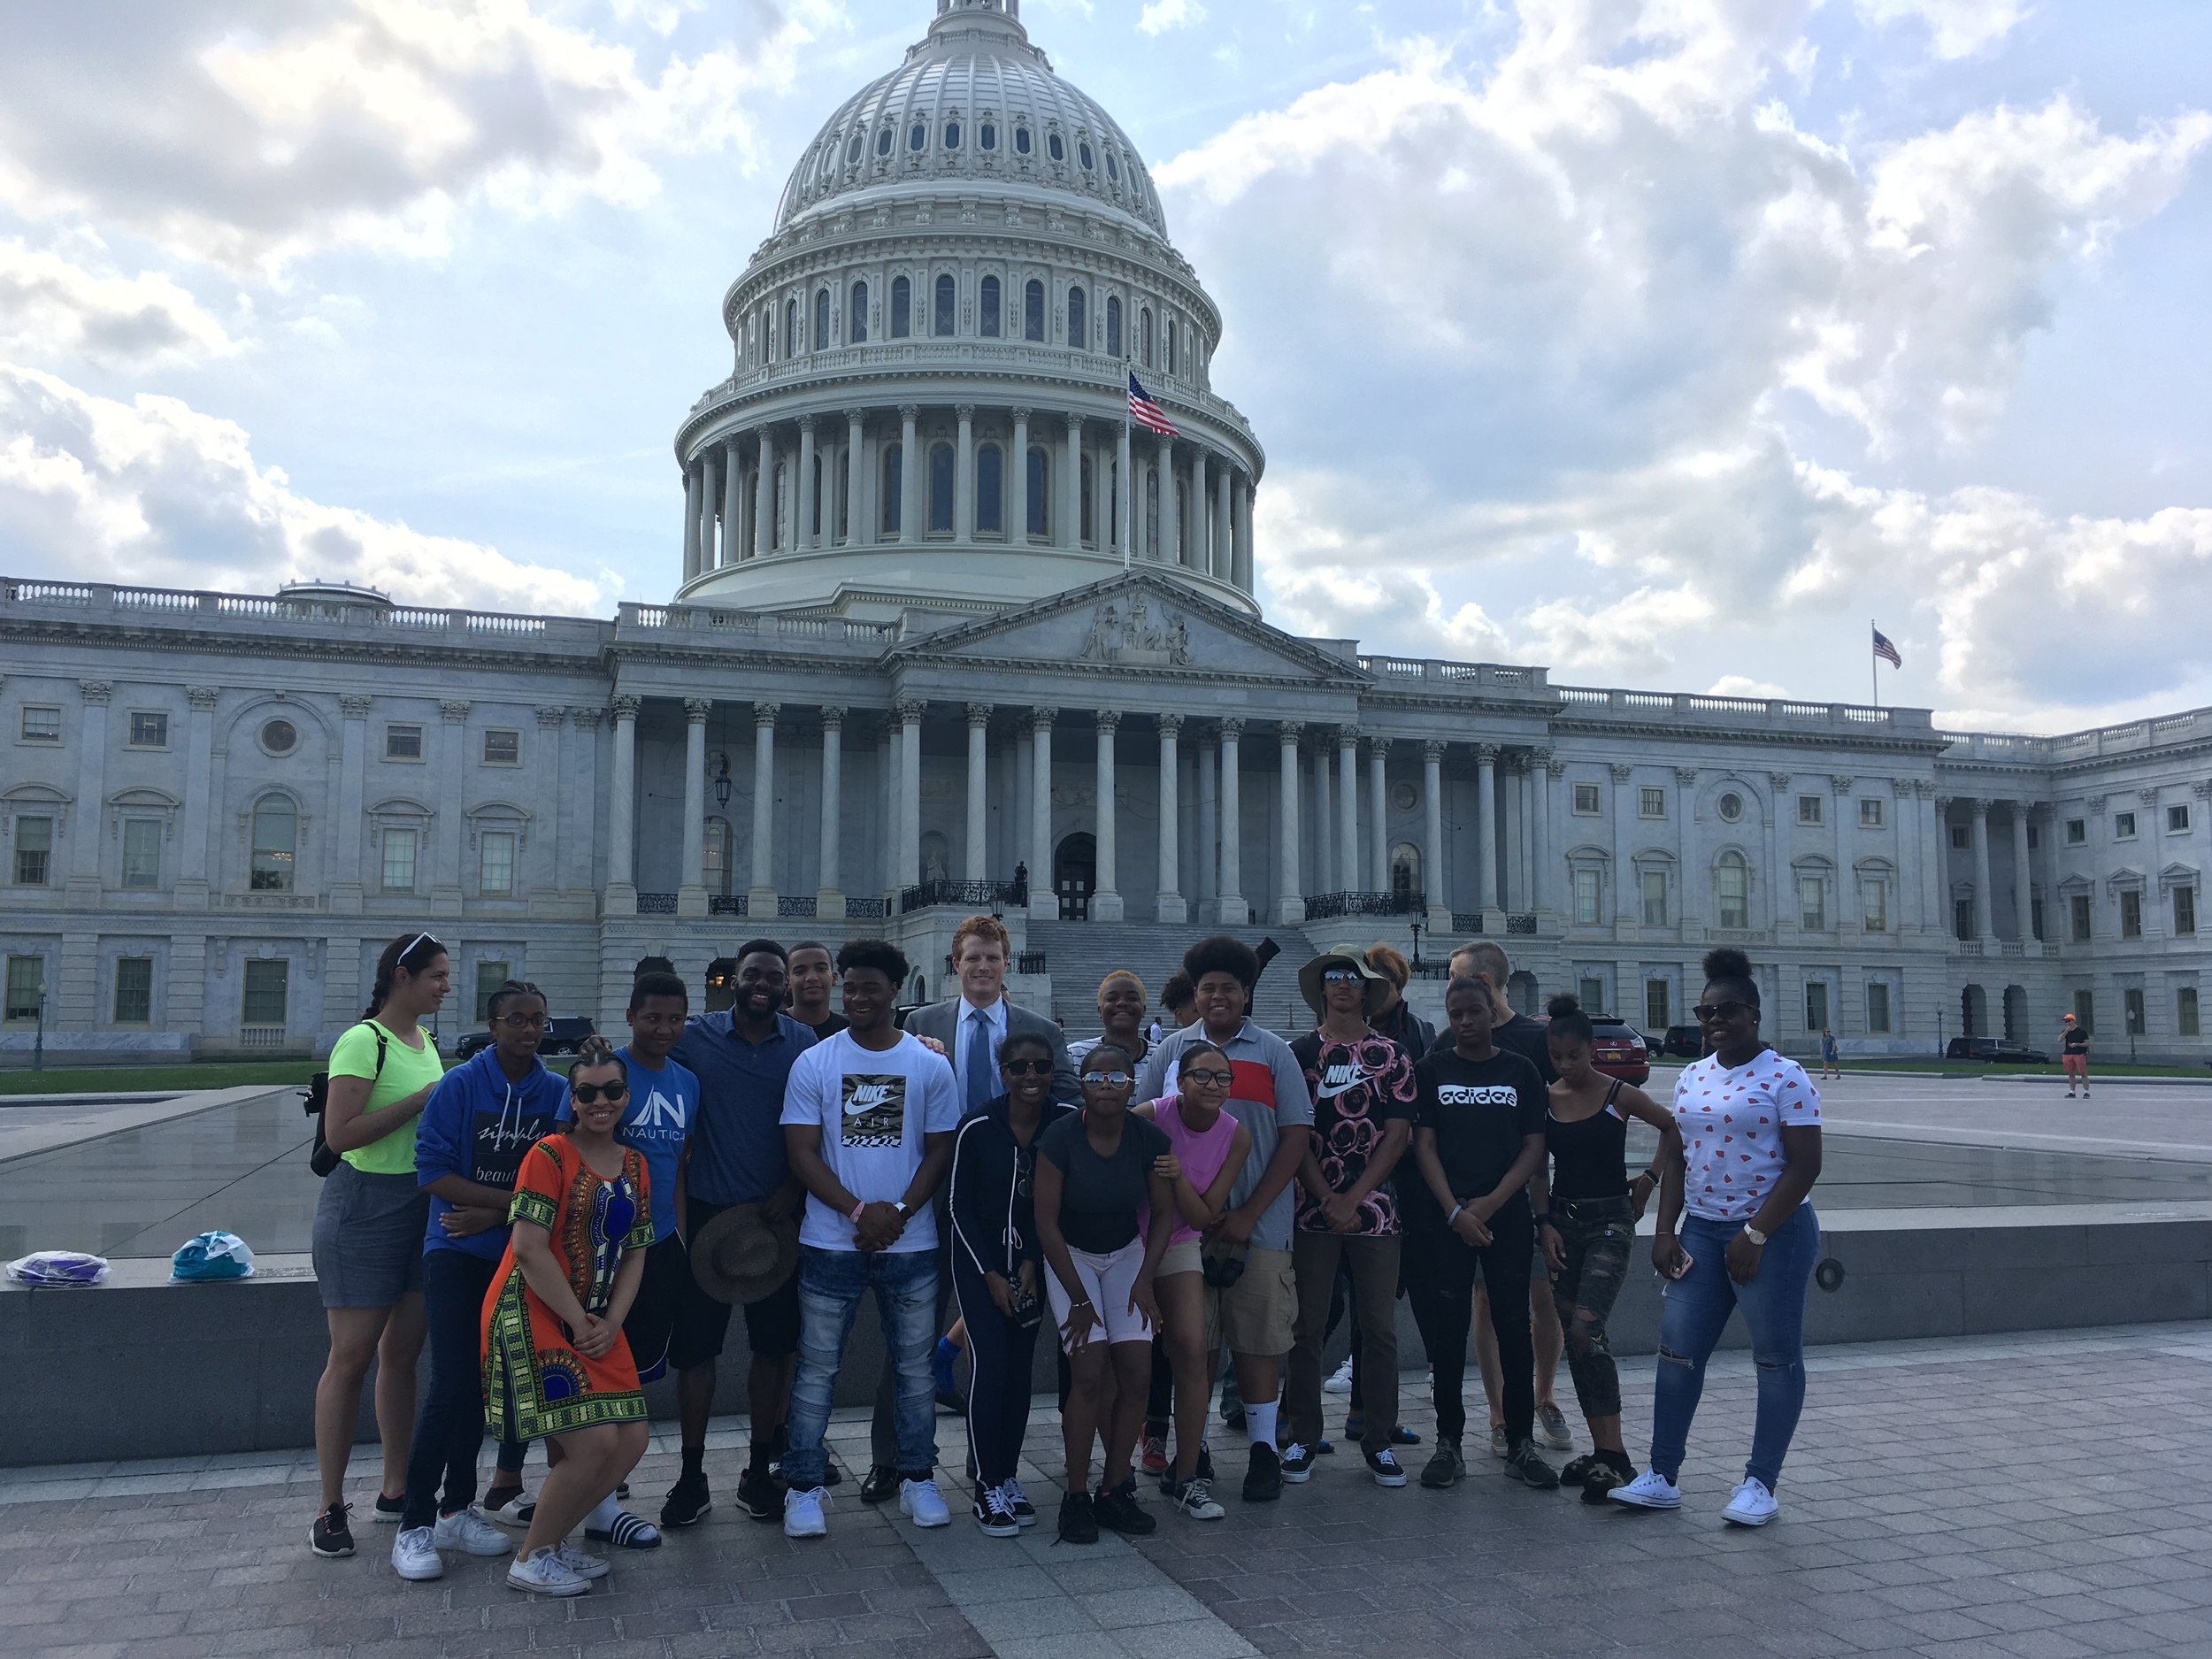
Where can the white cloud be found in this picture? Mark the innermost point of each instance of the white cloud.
(154, 492)
(1159, 16)
(51, 308)
(1956, 29)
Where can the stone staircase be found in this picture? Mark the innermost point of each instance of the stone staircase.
(1079, 955)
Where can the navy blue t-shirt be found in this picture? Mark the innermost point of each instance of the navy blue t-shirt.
(737, 1151)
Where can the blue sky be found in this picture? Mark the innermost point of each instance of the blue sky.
(1664, 344)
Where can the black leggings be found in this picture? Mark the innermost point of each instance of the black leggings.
(1505, 1264)
(999, 1356)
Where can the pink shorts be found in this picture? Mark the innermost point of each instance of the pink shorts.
(2074, 1064)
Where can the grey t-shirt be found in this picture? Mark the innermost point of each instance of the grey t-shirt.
(1268, 1097)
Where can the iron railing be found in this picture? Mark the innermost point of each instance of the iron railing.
(1323, 905)
(656, 904)
(865, 909)
(1466, 921)
(1030, 961)
(1520, 923)
(802, 909)
(991, 896)
(727, 904)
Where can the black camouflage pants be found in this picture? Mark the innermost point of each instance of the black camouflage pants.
(1597, 1234)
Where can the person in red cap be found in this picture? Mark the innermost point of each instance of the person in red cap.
(2073, 1056)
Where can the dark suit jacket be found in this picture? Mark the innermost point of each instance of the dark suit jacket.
(942, 1021)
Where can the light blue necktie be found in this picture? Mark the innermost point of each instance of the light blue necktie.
(980, 1072)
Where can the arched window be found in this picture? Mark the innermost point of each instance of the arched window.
(767, 327)
(990, 490)
(941, 323)
(791, 328)
(987, 308)
(986, 136)
(810, 503)
(884, 140)
(901, 308)
(1113, 325)
(1079, 320)
(1731, 891)
(1021, 141)
(841, 527)
(917, 136)
(1083, 154)
(715, 850)
(952, 134)
(852, 151)
(1144, 336)
(1168, 361)
(1034, 311)
(821, 319)
(1054, 147)
(1113, 167)
(894, 488)
(1405, 870)
(276, 841)
(1040, 482)
(857, 326)
(941, 487)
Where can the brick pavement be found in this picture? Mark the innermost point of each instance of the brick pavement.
(2011, 1498)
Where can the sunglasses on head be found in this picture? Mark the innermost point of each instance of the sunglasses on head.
(1025, 1068)
(592, 1093)
(410, 950)
(1704, 1013)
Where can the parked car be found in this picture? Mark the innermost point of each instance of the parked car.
(1688, 1042)
(1994, 1051)
(562, 1036)
(1618, 1049)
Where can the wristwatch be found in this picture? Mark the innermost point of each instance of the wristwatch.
(1753, 1235)
(899, 1204)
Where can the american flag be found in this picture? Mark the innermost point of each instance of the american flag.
(1887, 652)
(1147, 413)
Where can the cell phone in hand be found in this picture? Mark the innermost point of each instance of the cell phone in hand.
(1683, 1262)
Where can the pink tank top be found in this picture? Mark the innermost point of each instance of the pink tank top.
(1202, 1155)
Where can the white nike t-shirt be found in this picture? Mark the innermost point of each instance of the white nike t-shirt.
(873, 1110)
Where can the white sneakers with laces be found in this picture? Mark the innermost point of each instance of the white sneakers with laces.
(921, 1502)
(470, 1532)
(1753, 1505)
(1195, 1499)
(1650, 1490)
(802, 1513)
(415, 1555)
(576, 1561)
(1339, 1380)
(542, 1573)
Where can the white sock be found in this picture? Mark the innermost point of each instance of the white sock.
(602, 1518)
(1259, 1422)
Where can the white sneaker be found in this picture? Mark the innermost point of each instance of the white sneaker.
(415, 1555)
(540, 1573)
(514, 1514)
(802, 1513)
(468, 1531)
(1753, 1505)
(1650, 1490)
(584, 1566)
(921, 1502)
(1339, 1380)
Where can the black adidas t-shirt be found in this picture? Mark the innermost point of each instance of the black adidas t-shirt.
(1481, 1110)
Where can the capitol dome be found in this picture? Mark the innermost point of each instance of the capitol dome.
(928, 391)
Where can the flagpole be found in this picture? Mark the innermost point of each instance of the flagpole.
(1128, 488)
(1873, 662)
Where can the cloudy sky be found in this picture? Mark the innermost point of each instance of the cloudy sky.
(1664, 341)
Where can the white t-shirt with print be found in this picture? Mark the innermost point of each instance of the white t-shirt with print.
(1732, 1124)
(873, 1110)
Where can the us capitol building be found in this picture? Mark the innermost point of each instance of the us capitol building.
(931, 636)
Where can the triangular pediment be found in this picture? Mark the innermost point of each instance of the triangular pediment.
(1138, 620)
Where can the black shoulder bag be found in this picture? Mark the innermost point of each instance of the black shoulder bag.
(316, 1097)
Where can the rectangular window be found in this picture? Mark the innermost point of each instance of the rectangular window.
(41, 723)
(26, 974)
(2178, 820)
(150, 729)
(2035, 911)
(2086, 1010)
(1809, 807)
(403, 742)
(1877, 1007)
(142, 853)
(1962, 917)
(1874, 904)
(1586, 897)
(1590, 994)
(134, 990)
(268, 991)
(1586, 798)
(1731, 887)
(2131, 915)
(2185, 912)
(1815, 1005)
(496, 875)
(1962, 838)
(2186, 1012)
(34, 851)
(1655, 898)
(503, 748)
(1651, 802)
(489, 977)
(1870, 812)
(1812, 904)
(2124, 826)
(401, 846)
(2078, 911)
(1658, 1004)
(2131, 1011)
(2077, 832)
(2035, 837)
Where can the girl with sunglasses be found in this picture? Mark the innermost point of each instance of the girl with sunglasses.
(995, 1267)
(1209, 1147)
(556, 1361)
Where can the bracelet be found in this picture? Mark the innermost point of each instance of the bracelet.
(1455, 1215)
(1648, 1175)
(859, 1205)
(1544, 1221)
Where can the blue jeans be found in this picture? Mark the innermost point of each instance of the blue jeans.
(1697, 1309)
(831, 1285)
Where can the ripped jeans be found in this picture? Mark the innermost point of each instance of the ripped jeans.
(1697, 1309)
(1596, 1236)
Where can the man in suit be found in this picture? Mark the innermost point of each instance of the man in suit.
(970, 1028)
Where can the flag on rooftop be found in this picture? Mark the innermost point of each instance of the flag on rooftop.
(1147, 413)
(1887, 652)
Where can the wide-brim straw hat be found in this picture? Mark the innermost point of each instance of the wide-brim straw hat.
(742, 1256)
(1378, 987)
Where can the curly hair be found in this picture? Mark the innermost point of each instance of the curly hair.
(880, 954)
(1726, 965)
(1568, 1023)
(1221, 954)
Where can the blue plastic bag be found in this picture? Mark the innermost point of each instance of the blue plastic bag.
(48, 1270)
(212, 1256)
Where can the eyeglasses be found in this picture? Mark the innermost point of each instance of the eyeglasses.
(1025, 1068)
(523, 1021)
(1109, 1079)
(592, 1093)
(1205, 1078)
(1706, 1013)
(1339, 976)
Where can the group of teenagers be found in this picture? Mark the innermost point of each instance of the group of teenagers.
(1164, 1193)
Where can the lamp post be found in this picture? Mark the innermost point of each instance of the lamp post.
(1418, 964)
(722, 780)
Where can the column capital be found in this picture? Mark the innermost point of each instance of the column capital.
(625, 705)
(454, 712)
(1620, 772)
(1780, 781)
(586, 719)
(1170, 724)
(96, 690)
(1231, 729)
(1291, 731)
(1020, 413)
(1840, 783)
(698, 709)
(908, 711)
(1432, 749)
(964, 411)
(1377, 745)
(1041, 717)
(735, 441)
(354, 706)
(1347, 737)
(1979, 805)
(1108, 720)
(204, 696)
(2148, 797)
(1903, 788)
(1075, 424)
(832, 717)
(548, 717)
(1555, 766)
(764, 715)
(909, 412)
(979, 716)
(1942, 805)
(1487, 754)
(1686, 776)
(2201, 788)
(854, 417)
(806, 425)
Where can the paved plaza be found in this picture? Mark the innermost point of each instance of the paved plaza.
(2033, 1497)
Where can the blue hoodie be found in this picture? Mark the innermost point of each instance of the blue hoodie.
(477, 1124)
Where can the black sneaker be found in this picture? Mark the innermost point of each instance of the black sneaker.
(1522, 1465)
(1446, 1467)
(330, 1537)
(1296, 1463)
(1205, 1471)
(1385, 1466)
(1118, 1510)
(882, 1482)
(687, 1501)
(832, 1476)
(760, 1495)
(1263, 1480)
(994, 1514)
(389, 1510)
(1078, 1524)
(1611, 1471)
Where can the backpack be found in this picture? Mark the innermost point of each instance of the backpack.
(316, 1097)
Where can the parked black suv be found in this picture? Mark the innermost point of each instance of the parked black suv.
(1688, 1042)
(562, 1036)
(1994, 1051)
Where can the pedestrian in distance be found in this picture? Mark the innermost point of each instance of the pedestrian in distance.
(2073, 1056)
(1830, 1065)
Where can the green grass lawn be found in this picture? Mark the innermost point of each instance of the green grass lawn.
(146, 1080)
(1969, 1068)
